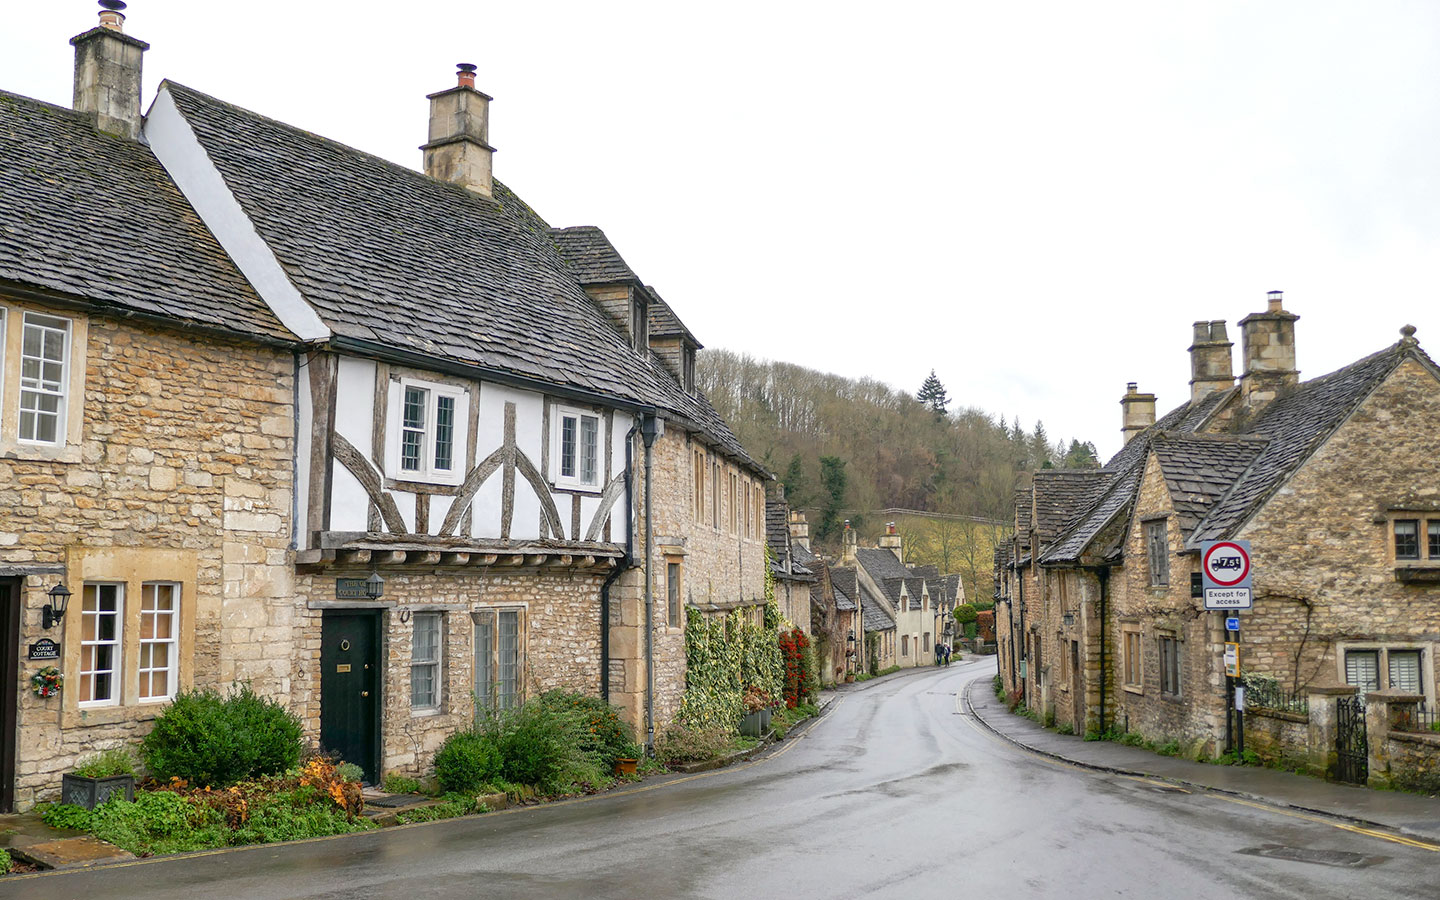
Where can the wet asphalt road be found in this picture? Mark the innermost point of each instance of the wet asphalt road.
(897, 792)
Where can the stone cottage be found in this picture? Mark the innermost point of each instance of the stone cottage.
(1333, 481)
(380, 442)
(147, 420)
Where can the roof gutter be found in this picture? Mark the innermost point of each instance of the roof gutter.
(470, 370)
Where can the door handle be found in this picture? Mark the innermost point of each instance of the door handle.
(364, 693)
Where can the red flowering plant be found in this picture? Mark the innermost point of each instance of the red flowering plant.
(47, 682)
(792, 649)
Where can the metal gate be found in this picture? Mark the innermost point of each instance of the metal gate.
(1351, 745)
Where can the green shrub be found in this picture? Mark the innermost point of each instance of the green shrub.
(350, 772)
(295, 815)
(533, 745)
(466, 761)
(65, 815)
(158, 822)
(395, 783)
(998, 684)
(965, 614)
(679, 744)
(1065, 728)
(451, 805)
(210, 740)
(107, 764)
(5, 861)
(595, 724)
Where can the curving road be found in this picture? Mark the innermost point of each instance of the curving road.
(896, 792)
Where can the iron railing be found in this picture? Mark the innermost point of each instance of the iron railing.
(1266, 693)
(1425, 717)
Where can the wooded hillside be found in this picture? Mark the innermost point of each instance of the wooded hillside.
(847, 449)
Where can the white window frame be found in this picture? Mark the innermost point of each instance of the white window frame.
(151, 590)
(435, 664)
(428, 471)
(117, 643)
(576, 481)
(63, 393)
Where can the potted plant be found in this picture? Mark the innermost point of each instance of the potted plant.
(756, 703)
(628, 759)
(99, 778)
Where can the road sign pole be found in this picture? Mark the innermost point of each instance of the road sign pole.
(1239, 708)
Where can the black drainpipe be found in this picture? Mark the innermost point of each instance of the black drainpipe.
(650, 429)
(621, 568)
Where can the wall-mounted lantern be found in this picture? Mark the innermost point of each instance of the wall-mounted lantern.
(54, 610)
(374, 586)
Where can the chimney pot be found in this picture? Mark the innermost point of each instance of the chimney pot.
(466, 74)
(111, 15)
(1211, 368)
(1275, 297)
(1131, 387)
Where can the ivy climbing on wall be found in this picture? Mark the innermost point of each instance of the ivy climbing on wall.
(724, 657)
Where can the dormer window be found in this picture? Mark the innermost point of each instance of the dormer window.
(640, 322)
(687, 369)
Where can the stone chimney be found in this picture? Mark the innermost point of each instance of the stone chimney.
(799, 529)
(890, 540)
(848, 545)
(459, 151)
(1210, 366)
(1138, 411)
(1269, 347)
(107, 73)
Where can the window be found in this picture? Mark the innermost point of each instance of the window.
(687, 368)
(746, 517)
(699, 473)
(1157, 545)
(100, 620)
(1404, 671)
(640, 322)
(159, 639)
(760, 513)
(425, 661)
(715, 495)
(1362, 669)
(499, 658)
(731, 496)
(904, 645)
(577, 449)
(1132, 658)
(672, 592)
(1434, 532)
(1169, 665)
(429, 431)
(44, 375)
(927, 642)
(1407, 538)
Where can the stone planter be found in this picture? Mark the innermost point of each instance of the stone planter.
(755, 724)
(625, 766)
(91, 792)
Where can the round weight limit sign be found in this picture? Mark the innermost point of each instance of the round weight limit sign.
(1227, 564)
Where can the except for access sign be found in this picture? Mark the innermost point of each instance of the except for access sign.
(1226, 575)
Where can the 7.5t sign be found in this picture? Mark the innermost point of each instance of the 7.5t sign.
(1225, 574)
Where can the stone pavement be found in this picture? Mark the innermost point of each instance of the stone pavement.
(1409, 814)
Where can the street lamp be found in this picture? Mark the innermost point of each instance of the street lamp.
(54, 611)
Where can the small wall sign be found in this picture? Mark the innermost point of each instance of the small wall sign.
(44, 649)
(350, 589)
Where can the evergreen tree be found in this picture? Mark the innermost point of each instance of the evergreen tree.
(1081, 456)
(1040, 449)
(797, 492)
(932, 393)
(832, 500)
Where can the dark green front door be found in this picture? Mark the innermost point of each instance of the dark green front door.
(349, 688)
(9, 687)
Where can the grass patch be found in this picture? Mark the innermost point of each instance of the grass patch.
(450, 807)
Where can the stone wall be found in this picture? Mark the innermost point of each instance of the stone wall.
(718, 566)
(1195, 715)
(561, 647)
(181, 473)
(1278, 737)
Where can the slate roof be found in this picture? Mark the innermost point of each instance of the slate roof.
(945, 590)
(843, 601)
(1199, 469)
(1295, 424)
(891, 586)
(386, 254)
(1061, 495)
(843, 580)
(880, 563)
(96, 216)
(664, 322)
(877, 615)
(592, 257)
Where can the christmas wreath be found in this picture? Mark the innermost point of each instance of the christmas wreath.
(47, 682)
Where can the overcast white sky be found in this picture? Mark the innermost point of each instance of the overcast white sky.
(1035, 199)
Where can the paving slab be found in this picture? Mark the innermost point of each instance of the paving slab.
(1411, 814)
(70, 853)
